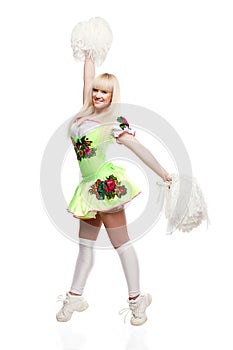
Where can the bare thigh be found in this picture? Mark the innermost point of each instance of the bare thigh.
(89, 229)
(116, 227)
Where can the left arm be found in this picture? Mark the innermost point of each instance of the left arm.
(144, 154)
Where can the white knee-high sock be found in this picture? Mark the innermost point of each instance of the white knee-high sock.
(84, 264)
(130, 266)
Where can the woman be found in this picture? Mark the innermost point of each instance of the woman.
(104, 190)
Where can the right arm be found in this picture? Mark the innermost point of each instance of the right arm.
(88, 76)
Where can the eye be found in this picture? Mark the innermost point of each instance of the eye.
(95, 90)
(104, 92)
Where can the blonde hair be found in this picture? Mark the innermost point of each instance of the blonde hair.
(106, 82)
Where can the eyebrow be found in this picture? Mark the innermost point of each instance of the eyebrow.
(105, 90)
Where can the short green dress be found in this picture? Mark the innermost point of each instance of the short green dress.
(105, 187)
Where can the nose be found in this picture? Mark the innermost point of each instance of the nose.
(98, 94)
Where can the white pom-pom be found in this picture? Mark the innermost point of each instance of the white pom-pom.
(185, 207)
(93, 39)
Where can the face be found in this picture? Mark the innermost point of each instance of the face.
(101, 99)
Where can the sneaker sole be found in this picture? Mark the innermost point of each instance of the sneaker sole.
(138, 324)
(85, 306)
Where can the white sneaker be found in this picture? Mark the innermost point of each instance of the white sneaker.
(138, 307)
(70, 304)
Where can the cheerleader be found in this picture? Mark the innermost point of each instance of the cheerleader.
(105, 187)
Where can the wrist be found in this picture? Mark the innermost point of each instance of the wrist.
(164, 175)
(88, 56)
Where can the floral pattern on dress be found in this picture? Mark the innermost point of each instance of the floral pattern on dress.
(108, 188)
(82, 148)
(123, 123)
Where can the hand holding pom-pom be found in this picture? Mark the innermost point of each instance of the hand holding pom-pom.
(91, 39)
(185, 206)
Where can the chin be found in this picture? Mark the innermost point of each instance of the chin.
(100, 107)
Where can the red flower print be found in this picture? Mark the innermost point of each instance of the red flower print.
(108, 189)
(125, 121)
(83, 148)
(110, 185)
(87, 151)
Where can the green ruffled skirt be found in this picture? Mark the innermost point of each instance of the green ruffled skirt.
(108, 189)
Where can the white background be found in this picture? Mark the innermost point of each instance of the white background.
(174, 57)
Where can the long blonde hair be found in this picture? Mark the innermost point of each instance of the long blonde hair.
(105, 82)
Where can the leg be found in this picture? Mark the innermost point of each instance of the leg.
(74, 301)
(115, 224)
(89, 229)
(88, 233)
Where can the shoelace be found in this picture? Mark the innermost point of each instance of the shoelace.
(122, 311)
(63, 299)
(132, 307)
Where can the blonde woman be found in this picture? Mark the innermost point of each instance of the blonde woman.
(105, 188)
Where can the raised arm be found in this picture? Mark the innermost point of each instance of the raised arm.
(88, 76)
(144, 154)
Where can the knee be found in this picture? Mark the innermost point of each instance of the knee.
(121, 244)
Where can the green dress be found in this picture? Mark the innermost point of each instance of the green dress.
(104, 186)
